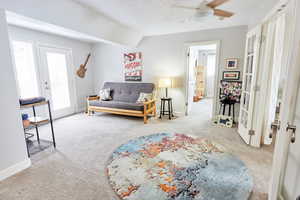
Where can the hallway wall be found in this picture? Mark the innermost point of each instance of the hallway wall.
(13, 154)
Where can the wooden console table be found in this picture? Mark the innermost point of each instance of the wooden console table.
(37, 121)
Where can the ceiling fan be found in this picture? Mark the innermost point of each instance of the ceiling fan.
(206, 9)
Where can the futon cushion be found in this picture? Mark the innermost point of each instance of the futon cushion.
(128, 92)
(27, 101)
(118, 105)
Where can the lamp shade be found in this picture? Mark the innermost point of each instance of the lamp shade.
(165, 83)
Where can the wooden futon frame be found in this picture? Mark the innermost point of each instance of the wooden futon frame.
(149, 109)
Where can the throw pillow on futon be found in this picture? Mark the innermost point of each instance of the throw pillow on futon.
(105, 94)
(144, 97)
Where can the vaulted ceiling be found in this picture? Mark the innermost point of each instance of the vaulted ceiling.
(68, 18)
(126, 22)
(154, 17)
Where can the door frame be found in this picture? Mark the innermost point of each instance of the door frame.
(187, 47)
(259, 126)
(71, 71)
(288, 105)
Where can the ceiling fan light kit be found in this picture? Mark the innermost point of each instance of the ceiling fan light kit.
(204, 13)
(209, 9)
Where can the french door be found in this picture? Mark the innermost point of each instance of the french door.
(285, 181)
(57, 83)
(249, 81)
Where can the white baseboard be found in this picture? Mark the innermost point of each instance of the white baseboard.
(4, 174)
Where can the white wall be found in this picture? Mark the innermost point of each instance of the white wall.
(12, 142)
(84, 87)
(164, 56)
(74, 16)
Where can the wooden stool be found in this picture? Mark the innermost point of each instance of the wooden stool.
(163, 110)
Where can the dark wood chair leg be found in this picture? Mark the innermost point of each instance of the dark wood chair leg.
(172, 108)
(164, 108)
(224, 109)
(233, 113)
(169, 108)
(161, 107)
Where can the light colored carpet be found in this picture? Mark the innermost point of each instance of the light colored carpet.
(76, 170)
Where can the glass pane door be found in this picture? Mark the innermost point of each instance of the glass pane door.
(57, 74)
(249, 78)
(59, 84)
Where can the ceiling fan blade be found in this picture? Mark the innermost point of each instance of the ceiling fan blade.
(216, 3)
(222, 13)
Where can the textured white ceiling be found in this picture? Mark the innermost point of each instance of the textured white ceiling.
(154, 17)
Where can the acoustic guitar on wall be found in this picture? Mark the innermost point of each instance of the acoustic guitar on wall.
(82, 69)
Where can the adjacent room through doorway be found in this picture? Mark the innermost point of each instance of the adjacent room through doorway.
(202, 63)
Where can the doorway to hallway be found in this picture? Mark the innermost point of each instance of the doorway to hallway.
(202, 76)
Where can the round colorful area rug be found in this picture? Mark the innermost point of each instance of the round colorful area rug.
(176, 166)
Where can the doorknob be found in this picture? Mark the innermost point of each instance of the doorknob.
(46, 85)
(293, 129)
(275, 126)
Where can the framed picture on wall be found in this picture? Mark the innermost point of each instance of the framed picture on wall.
(231, 75)
(133, 66)
(231, 63)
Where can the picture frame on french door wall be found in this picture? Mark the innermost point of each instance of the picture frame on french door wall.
(231, 63)
(231, 75)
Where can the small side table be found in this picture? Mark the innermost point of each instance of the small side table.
(163, 110)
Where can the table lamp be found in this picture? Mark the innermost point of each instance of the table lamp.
(165, 83)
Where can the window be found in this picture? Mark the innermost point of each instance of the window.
(25, 69)
(210, 75)
(211, 63)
